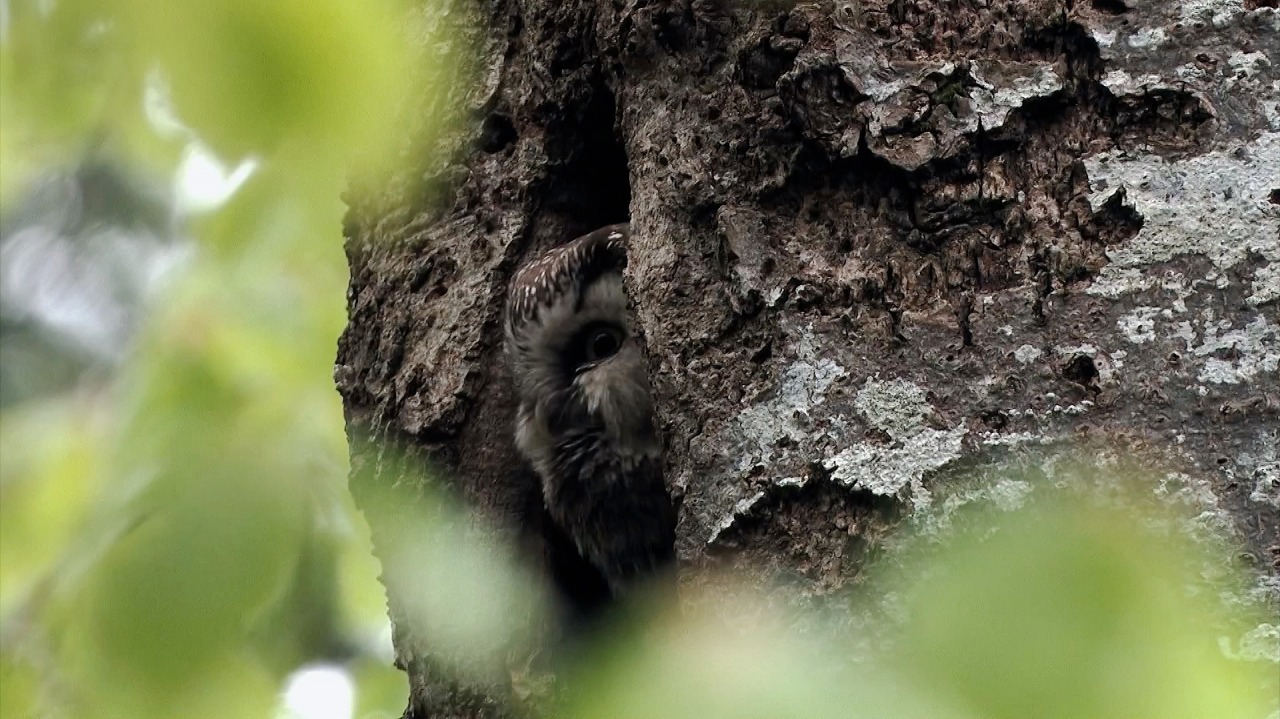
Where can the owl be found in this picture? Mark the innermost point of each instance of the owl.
(584, 422)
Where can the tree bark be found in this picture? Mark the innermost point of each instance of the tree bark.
(878, 246)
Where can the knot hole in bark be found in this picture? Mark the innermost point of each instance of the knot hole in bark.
(592, 188)
(1082, 370)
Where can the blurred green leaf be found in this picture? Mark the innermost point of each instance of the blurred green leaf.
(1073, 609)
(154, 531)
(19, 688)
(1069, 608)
(741, 661)
(48, 478)
(251, 76)
(70, 83)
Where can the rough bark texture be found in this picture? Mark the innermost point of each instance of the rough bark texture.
(879, 244)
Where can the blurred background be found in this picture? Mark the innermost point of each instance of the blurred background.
(176, 538)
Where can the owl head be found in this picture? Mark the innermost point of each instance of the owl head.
(573, 353)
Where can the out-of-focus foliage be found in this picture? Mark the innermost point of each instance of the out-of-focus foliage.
(1076, 609)
(1069, 608)
(77, 256)
(314, 82)
(175, 533)
(472, 602)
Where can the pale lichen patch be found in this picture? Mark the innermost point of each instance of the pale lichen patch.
(1219, 13)
(1262, 464)
(1139, 326)
(1248, 63)
(1122, 83)
(1232, 356)
(769, 434)
(899, 409)
(740, 510)
(1267, 488)
(804, 385)
(992, 100)
(1260, 644)
(1148, 38)
(1216, 205)
(1026, 354)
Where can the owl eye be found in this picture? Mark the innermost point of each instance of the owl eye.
(601, 342)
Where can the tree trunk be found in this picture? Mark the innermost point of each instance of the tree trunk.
(877, 245)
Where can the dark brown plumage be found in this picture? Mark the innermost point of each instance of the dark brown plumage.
(585, 420)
